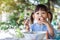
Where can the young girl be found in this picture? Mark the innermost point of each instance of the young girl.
(42, 24)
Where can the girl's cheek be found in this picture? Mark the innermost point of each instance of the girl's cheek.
(36, 18)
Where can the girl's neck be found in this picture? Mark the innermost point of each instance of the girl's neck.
(35, 21)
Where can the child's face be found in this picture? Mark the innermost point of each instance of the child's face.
(40, 15)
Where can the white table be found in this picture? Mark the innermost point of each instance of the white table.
(27, 36)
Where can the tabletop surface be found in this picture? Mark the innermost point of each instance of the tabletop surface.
(10, 35)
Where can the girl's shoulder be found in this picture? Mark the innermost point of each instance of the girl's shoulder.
(33, 24)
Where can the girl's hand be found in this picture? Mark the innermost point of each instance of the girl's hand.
(41, 20)
(27, 28)
(49, 27)
(45, 22)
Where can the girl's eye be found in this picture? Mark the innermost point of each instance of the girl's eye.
(43, 13)
(37, 13)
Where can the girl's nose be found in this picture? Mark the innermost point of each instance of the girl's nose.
(40, 15)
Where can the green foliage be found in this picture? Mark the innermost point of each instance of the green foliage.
(19, 33)
(21, 19)
(17, 17)
(18, 5)
(3, 26)
(43, 1)
(13, 18)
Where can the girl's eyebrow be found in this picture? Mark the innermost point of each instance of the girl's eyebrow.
(37, 12)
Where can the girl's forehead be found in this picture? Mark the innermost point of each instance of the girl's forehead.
(40, 11)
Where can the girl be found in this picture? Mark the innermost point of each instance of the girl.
(42, 24)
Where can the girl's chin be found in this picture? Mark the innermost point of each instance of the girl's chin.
(40, 23)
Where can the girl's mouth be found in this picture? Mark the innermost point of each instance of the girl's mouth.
(39, 19)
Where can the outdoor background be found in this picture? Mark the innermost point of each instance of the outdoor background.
(13, 12)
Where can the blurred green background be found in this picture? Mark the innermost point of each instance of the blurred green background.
(13, 12)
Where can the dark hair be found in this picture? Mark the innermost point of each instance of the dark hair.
(51, 16)
(31, 17)
(41, 7)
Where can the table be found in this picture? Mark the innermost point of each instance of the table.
(6, 35)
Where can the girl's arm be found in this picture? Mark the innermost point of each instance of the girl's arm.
(46, 35)
(50, 29)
